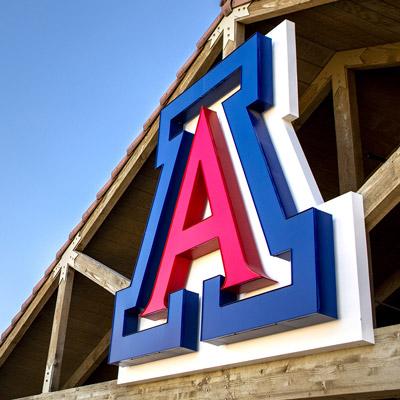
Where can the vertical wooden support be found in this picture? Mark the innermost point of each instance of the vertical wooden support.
(233, 38)
(58, 332)
(348, 140)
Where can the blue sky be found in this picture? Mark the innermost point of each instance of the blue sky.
(77, 81)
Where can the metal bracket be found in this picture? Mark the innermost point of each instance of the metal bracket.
(227, 26)
(48, 376)
(68, 258)
(63, 273)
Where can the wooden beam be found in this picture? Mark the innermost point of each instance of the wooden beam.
(100, 273)
(26, 319)
(266, 9)
(388, 287)
(362, 372)
(56, 348)
(368, 57)
(381, 192)
(337, 74)
(90, 363)
(348, 139)
(387, 55)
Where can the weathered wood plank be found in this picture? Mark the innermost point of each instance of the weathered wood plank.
(58, 332)
(374, 56)
(381, 192)
(384, 8)
(313, 52)
(99, 273)
(375, 33)
(91, 362)
(23, 324)
(266, 9)
(348, 139)
(363, 372)
(368, 15)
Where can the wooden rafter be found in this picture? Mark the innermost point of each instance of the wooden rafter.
(368, 57)
(90, 363)
(58, 332)
(23, 324)
(266, 9)
(99, 273)
(381, 192)
(360, 372)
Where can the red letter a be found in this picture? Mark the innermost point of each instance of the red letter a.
(209, 175)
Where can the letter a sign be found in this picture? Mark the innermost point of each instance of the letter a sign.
(241, 260)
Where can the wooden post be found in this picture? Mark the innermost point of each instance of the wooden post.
(59, 330)
(348, 140)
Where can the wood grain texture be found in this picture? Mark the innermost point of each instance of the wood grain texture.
(381, 192)
(58, 332)
(100, 274)
(265, 9)
(369, 16)
(348, 140)
(364, 373)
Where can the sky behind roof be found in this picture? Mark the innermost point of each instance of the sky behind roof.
(77, 81)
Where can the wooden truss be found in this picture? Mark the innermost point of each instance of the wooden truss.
(370, 372)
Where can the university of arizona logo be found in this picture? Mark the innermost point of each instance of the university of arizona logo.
(235, 248)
